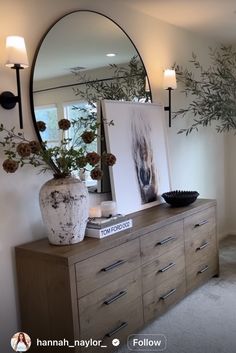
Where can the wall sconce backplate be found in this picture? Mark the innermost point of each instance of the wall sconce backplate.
(8, 100)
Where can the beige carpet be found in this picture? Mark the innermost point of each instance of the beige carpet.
(204, 321)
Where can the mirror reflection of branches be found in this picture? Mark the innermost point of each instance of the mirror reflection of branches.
(72, 71)
(127, 83)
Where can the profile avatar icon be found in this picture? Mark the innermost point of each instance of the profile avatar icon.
(20, 342)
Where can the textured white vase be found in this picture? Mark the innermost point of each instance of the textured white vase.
(64, 207)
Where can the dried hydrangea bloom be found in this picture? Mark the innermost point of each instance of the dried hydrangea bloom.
(10, 166)
(88, 136)
(23, 149)
(35, 146)
(64, 124)
(96, 174)
(109, 159)
(93, 158)
(41, 125)
(81, 162)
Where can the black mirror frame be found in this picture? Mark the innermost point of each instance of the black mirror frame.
(36, 55)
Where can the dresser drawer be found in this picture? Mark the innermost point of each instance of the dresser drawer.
(200, 248)
(121, 325)
(169, 264)
(159, 299)
(103, 268)
(158, 242)
(201, 271)
(201, 224)
(105, 303)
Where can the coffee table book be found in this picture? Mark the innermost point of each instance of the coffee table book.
(101, 222)
(109, 228)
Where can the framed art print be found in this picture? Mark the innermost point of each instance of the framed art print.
(137, 138)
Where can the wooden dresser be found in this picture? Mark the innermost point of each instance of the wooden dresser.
(110, 288)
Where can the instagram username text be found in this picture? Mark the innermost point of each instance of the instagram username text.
(65, 343)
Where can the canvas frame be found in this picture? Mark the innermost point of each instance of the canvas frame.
(137, 180)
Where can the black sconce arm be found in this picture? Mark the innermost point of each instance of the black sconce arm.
(168, 108)
(8, 100)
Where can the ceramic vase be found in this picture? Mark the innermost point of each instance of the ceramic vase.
(64, 207)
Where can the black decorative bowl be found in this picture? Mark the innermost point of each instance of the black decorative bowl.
(180, 198)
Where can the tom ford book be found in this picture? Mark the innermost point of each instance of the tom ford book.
(109, 230)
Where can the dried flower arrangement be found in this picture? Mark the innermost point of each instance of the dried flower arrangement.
(70, 155)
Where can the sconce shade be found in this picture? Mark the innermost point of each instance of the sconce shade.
(147, 88)
(16, 58)
(16, 52)
(169, 79)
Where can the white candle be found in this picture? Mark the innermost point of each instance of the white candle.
(109, 208)
(95, 212)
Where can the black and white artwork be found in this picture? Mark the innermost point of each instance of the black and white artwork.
(137, 137)
(142, 153)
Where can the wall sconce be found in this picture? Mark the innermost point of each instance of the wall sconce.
(16, 59)
(147, 89)
(169, 84)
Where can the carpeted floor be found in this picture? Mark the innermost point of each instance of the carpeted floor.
(204, 321)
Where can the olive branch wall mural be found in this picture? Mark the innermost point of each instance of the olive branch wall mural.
(213, 91)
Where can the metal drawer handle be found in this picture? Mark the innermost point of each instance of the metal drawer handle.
(164, 241)
(203, 269)
(201, 223)
(117, 296)
(167, 267)
(112, 266)
(112, 333)
(172, 291)
(202, 246)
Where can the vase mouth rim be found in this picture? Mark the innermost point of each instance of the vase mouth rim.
(62, 175)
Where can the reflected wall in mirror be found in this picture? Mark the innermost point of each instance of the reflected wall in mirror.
(82, 58)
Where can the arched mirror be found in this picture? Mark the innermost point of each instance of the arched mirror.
(82, 58)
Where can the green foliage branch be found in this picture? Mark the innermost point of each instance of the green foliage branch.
(213, 91)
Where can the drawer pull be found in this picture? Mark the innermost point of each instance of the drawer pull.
(111, 267)
(201, 223)
(112, 333)
(172, 291)
(167, 267)
(204, 269)
(202, 246)
(117, 296)
(164, 241)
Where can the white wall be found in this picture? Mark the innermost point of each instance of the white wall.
(197, 161)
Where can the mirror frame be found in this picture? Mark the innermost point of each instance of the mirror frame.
(36, 56)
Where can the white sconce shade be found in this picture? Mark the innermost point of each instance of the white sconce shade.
(16, 58)
(169, 79)
(16, 52)
(147, 88)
